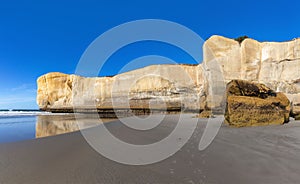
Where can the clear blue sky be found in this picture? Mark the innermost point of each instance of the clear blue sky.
(37, 37)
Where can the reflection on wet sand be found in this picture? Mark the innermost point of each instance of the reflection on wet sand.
(49, 125)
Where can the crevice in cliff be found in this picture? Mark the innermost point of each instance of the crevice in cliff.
(288, 60)
(47, 89)
(259, 67)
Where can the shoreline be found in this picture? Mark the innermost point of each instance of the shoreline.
(121, 112)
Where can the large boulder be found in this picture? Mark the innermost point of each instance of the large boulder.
(254, 104)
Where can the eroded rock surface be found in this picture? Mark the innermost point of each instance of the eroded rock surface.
(157, 87)
(254, 104)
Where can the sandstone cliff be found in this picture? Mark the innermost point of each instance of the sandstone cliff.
(274, 64)
(171, 87)
(182, 86)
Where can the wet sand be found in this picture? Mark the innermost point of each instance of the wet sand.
(268, 154)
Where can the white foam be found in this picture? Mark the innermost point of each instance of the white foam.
(22, 113)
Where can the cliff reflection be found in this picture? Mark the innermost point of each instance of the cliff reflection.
(49, 125)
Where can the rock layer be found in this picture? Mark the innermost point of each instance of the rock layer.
(252, 104)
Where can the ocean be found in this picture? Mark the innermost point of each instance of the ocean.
(19, 125)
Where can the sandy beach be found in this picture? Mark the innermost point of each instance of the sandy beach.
(237, 155)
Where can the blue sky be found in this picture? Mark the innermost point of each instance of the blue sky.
(37, 37)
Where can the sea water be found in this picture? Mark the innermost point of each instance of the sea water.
(26, 125)
(17, 125)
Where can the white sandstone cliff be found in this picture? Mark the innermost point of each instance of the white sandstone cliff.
(160, 86)
(175, 86)
(276, 64)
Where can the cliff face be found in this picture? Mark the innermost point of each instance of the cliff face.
(160, 86)
(175, 86)
(275, 64)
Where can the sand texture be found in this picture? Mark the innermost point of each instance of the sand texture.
(237, 155)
